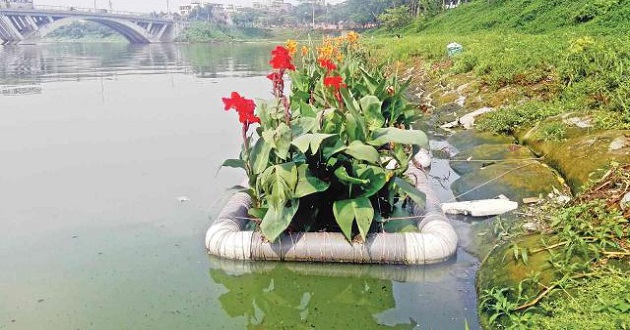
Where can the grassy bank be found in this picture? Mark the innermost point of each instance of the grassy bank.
(538, 62)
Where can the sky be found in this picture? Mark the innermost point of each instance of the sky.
(136, 5)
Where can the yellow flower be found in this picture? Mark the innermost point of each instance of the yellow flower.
(304, 51)
(292, 46)
(352, 37)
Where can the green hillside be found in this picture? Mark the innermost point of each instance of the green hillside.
(532, 16)
(541, 63)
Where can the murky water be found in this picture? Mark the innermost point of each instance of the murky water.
(97, 144)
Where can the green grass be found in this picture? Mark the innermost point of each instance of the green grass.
(567, 71)
(531, 16)
(601, 303)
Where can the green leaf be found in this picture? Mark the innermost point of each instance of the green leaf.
(233, 163)
(330, 150)
(353, 108)
(303, 125)
(354, 128)
(342, 174)
(416, 195)
(376, 176)
(278, 183)
(370, 82)
(258, 213)
(278, 219)
(260, 155)
(371, 107)
(279, 139)
(308, 184)
(381, 136)
(307, 110)
(312, 141)
(357, 210)
(361, 151)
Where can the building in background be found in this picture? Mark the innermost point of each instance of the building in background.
(184, 10)
(16, 4)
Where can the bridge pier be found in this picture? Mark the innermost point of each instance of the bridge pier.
(27, 26)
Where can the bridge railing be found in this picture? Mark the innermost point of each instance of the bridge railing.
(91, 10)
(95, 11)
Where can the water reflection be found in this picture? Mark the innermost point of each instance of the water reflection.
(36, 64)
(272, 295)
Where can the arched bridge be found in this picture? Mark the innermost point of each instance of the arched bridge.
(27, 26)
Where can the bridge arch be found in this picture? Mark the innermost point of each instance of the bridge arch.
(132, 32)
(23, 26)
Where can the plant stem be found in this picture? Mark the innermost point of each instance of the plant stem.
(549, 247)
(549, 289)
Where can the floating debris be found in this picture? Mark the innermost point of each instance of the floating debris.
(480, 208)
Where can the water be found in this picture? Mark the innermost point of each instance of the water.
(97, 144)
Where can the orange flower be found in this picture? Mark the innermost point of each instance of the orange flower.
(339, 57)
(352, 37)
(304, 51)
(325, 51)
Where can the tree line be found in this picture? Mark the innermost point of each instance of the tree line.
(351, 13)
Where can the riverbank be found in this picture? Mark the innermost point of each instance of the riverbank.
(562, 94)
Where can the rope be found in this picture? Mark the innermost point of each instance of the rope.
(490, 181)
(494, 160)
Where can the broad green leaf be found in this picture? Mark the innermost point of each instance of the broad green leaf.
(361, 151)
(357, 210)
(307, 110)
(370, 82)
(307, 183)
(279, 182)
(258, 213)
(277, 219)
(376, 177)
(303, 125)
(383, 136)
(416, 195)
(234, 163)
(371, 107)
(349, 101)
(279, 139)
(354, 128)
(260, 155)
(329, 149)
(332, 122)
(342, 174)
(312, 141)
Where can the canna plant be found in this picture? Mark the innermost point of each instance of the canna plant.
(333, 155)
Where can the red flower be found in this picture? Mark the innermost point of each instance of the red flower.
(274, 76)
(334, 81)
(281, 59)
(244, 107)
(337, 83)
(327, 64)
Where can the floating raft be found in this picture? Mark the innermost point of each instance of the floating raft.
(435, 242)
